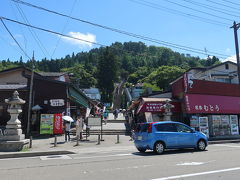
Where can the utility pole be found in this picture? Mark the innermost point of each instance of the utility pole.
(30, 99)
(235, 28)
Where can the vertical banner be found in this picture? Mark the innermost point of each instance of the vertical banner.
(58, 124)
(46, 123)
(185, 82)
(234, 124)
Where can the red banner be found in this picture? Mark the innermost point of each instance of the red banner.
(208, 104)
(58, 124)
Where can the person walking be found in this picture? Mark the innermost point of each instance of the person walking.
(115, 113)
(79, 127)
(67, 128)
(105, 116)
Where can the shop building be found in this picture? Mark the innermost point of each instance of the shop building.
(52, 94)
(210, 99)
(207, 99)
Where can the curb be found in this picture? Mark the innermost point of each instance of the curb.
(224, 141)
(32, 154)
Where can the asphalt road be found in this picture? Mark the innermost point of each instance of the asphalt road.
(220, 161)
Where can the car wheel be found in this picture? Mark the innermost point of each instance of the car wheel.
(141, 149)
(159, 148)
(201, 145)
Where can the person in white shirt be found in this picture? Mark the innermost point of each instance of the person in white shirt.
(79, 127)
(67, 128)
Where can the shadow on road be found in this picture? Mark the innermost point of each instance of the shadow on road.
(167, 152)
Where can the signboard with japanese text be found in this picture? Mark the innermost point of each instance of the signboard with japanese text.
(157, 107)
(58, 124)
(210, 104)
(57, 102)
(46, 123)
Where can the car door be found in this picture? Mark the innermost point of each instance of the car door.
(166, 132)
(186, 137)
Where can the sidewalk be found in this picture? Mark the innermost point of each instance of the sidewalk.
(45, 146)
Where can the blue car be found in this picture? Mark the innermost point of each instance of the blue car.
(158, 136)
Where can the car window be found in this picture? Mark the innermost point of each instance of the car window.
(142, 128)
(168, 127)
(182, 128)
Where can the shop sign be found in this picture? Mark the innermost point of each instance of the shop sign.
(196, 103)
(188, 81)
(57, 102)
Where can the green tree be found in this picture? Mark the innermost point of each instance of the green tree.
(164, 75)
(107, 74)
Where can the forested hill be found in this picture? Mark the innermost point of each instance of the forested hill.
(155, 66)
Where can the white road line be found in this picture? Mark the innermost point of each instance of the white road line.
(198, 174)
(113, 155)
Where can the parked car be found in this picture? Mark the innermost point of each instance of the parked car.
(158, 136)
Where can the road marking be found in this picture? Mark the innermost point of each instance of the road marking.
(113, 155)
(198, 174)
(190, 164)
(55, 157)
(193, 163)
(224, 145)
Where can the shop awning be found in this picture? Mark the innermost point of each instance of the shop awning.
(208, 104)
(154, 105)
(78, 98)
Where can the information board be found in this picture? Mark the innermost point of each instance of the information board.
(46, 123)
(94, 121)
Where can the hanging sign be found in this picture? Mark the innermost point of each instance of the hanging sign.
(57, 102)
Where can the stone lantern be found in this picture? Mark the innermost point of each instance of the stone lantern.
(167, 110)
(13, 139)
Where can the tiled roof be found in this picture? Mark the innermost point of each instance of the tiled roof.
(13, 86)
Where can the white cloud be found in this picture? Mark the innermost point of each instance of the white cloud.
(88, 39)
(231, 58)
(228, 50)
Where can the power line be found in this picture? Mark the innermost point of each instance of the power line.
(34, 35)
(221, 4)
(213, 8)
(174, 11)
(198, 10)
(64, 27)
(53, 32)
(123, 32)
(231, 2)
(14, 38)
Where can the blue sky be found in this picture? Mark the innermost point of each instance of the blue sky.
(173, 21)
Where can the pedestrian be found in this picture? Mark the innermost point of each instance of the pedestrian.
(105, 116)
(67, 128)
(87, 128)
(115, 113)
(79, 127)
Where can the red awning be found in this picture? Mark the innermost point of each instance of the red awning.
(208, 104)
(154, 105)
